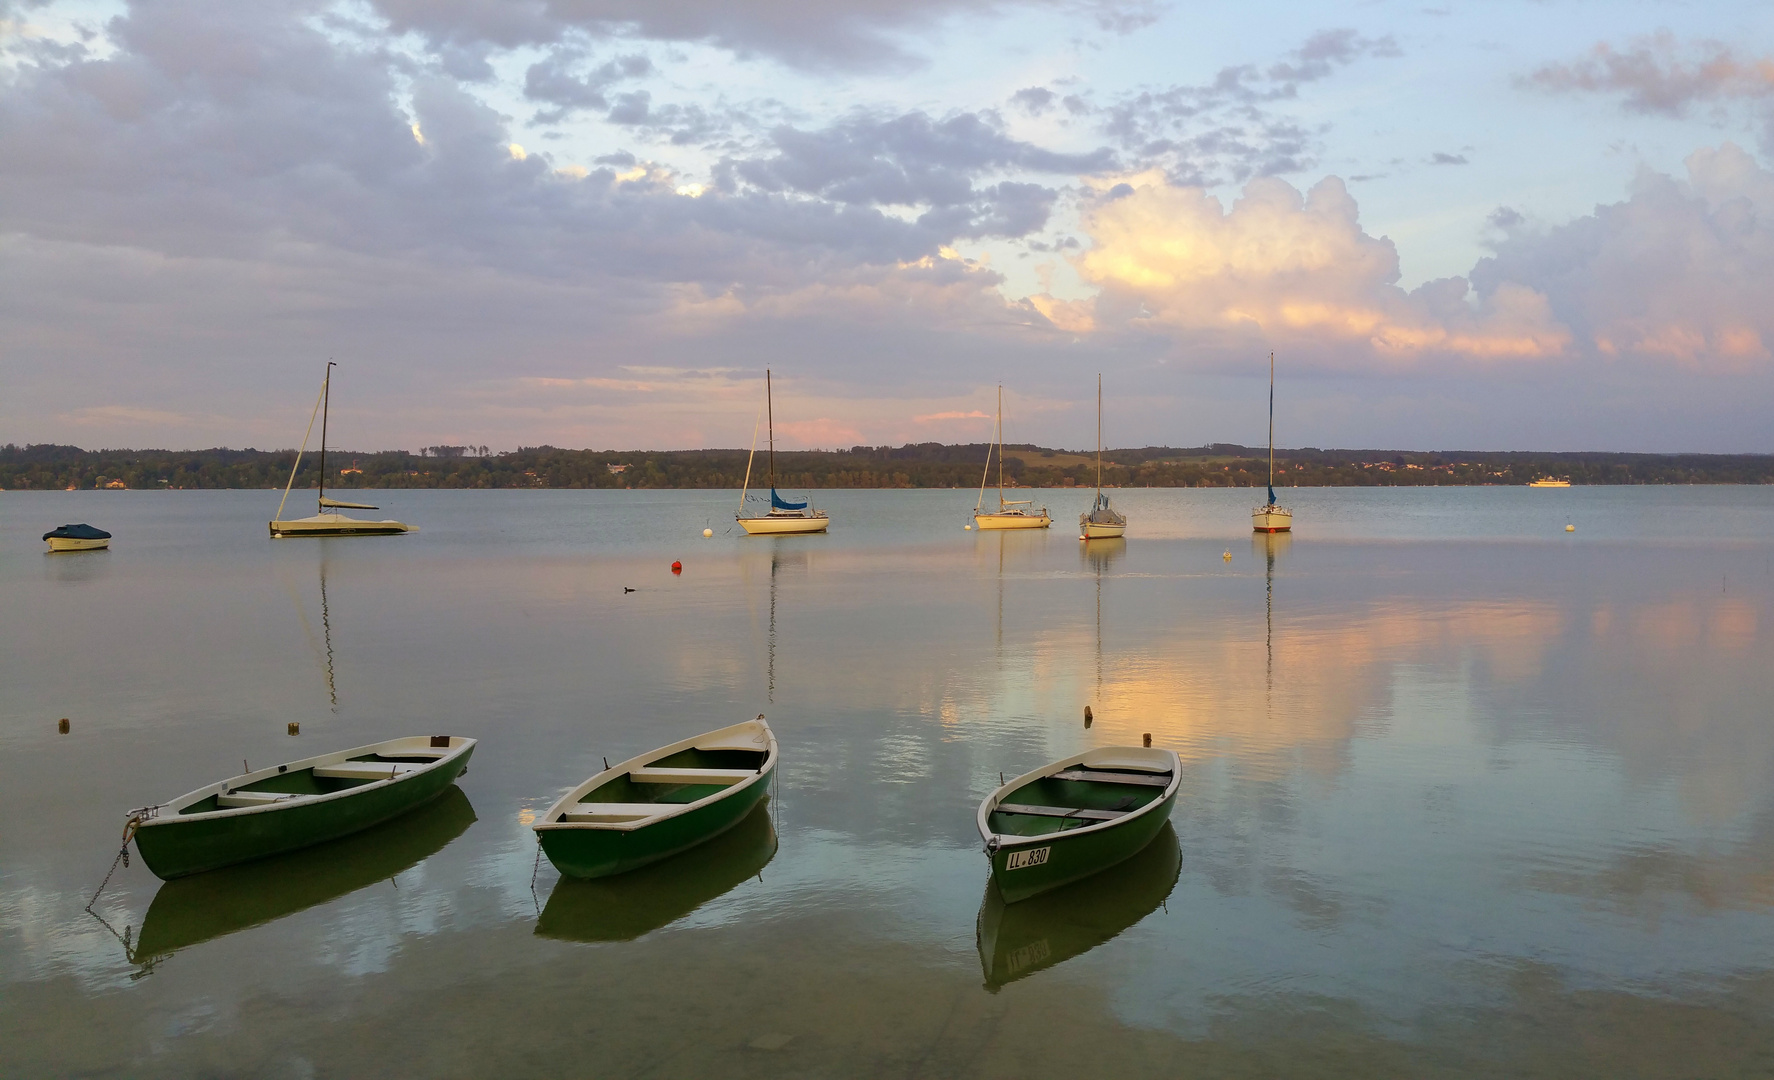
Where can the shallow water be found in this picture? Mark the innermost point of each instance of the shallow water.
(1464, 795)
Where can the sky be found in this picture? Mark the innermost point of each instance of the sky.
(1537, 225)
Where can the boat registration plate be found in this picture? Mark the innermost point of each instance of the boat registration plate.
(1018, 860)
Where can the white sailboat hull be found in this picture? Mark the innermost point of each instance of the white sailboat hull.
(337, 525)
(778, 524)
(1012, 519)
(1099, 530)
(1272, 519)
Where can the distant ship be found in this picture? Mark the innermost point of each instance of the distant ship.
(1547, 481)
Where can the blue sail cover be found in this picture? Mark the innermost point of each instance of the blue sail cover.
(1271, 494)
(777, 502)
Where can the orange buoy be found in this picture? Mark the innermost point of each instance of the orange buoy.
(677, 567)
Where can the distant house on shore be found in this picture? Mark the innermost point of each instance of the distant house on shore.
(615, 469)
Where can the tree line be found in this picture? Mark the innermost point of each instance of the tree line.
(45, 466)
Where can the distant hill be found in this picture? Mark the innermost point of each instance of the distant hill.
(48, 466)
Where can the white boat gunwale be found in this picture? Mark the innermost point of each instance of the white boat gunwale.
(707, 740)
(171, 813)
(1124, 758)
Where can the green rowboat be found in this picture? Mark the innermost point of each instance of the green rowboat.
(627, 906)
(196, 909)
(660, 803)
(296, 805)
(1017, 940)
(1077, 816)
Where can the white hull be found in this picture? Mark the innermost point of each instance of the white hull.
(63, 543)
(776, 525)
(1011, 520)
(1271, 519)
(1096, 530)
(337, 525)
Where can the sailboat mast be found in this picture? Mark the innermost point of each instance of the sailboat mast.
(326, 404)
(1099, 435)
(770, 411)
(1000, 448)
(1271, 429)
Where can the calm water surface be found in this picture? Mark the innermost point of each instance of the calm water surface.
(1465, 794)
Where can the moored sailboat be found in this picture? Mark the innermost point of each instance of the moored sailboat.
(322, 523)
(1103, 522)
(1010, 514)
(783, 516)
(1269, 517)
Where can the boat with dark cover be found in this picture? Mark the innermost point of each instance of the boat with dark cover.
(82, 537)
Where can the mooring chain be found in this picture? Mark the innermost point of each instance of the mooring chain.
(136, 817)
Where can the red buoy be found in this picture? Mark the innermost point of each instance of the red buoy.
(677, 567)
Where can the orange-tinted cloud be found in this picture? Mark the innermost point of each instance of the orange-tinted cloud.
(1279, 266)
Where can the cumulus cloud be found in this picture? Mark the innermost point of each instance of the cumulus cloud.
(1284, 269)
(1678, 272)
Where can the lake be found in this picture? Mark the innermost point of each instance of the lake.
(1464, 793)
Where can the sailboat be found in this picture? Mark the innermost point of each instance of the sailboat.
(784, 516)
(1009, 515)
(1271, 518)
(1103, 522)
(324, 523)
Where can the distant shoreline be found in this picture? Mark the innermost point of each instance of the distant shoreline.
(44, 467)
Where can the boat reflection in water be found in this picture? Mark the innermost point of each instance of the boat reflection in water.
(1017, 940)
(191, 910)
(626, 906)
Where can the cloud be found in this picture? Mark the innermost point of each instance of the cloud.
(844, 35)
(1440, 158)
(1282, 269)
(1657, 74)
(916, 161)
(1679, 272)
(1225, 129)
(971, 414)
(555, 80)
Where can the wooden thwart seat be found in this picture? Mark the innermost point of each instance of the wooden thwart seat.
(236, 799)
(1060, 812)
(1097, 777)
(607, 811)
(365, 770)
(723, 777)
